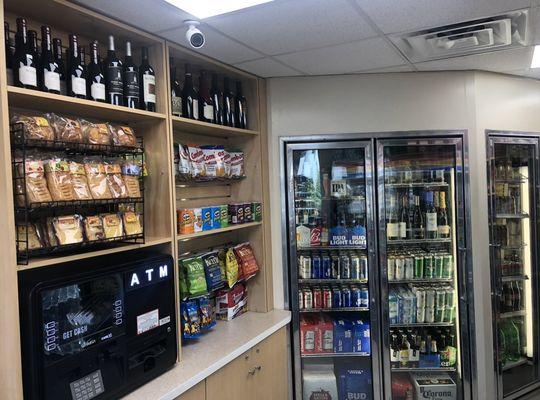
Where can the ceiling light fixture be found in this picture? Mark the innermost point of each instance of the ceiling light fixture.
(535, 63)
(209, 8)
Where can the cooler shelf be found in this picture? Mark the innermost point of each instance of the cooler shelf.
(422, 324)
(346, 309)
(336, 355)
(440, 369)
(419, 241)
(416, 184)
(511, 365)
(426, 281)
(323, 281)
(311, 248)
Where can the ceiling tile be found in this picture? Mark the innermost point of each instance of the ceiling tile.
(217, 46)
(284, 27)
(149, 15)
(393, 16)
(497, 61)
(397, 68)
(267, 68)
(345, 58)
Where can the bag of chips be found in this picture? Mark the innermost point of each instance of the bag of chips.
(81, 190)
(222, 256)
(112, 226)
(122, 135)
(237, 164)
(184, 165)
(93, 228)
(97, 180)
(116, 184)
(196, 162)
(206, 315)
(131, 172)
(68, 229)
(195, 278)
(34, 127)
(66, 129)
(247, 260)
(59, 179)
(232, 268)
(213, 161)
(33, 238)
(212, 271)
(95, 133)
(34, 183)
(132, 223)
(191, 327)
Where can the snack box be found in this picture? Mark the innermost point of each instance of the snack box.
(343, 332)
(433, 386)
(319, 382)
(231, 303)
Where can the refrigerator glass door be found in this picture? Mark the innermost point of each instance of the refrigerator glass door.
(513, 222)
(421, 237)
(331, 232)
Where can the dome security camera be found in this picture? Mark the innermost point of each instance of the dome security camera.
(194, 36)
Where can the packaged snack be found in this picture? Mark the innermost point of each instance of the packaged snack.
(184, 292)
(95, 133)
(195, 279)
(247, 260)
(93, 228)
(49, 236)
(33, 238)
(122, 135)
(216, 217)
(231, 267)
(247, 212)
(207, 218)
(66, 129)
(116, 184)
(34, 127)
(191, 327)
(59, 179)
(196, 160)
(131, 172)
(256, 211)
(184, 165)
(213, 161)
(97, 180)
(68, 229)
(236, 213)
(227, 164)
(81, 191)
(112, 226)
(237, 164)
(197, 220)
(231, 303)
(224, 209)
(132, 223)
(35, 184)
(212, 271)
(220, 155)
(186, 221)
(206, 316)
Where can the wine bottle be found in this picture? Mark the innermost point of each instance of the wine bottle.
(24, 63)
(418, 219)
(240, 108)
(96, 79)
(431, 217)
(176, 91)
(392, 227)
(114, 81)
(131, 80)
(404, 349)
(217, 96)
(148, 83)
(49, 76)
(228, 104)
(9, 55)
(33, 43)
(394, 352)
(404, 219)
(443, 226)
(206, 106)
(190, 103)
(76, 82)
(61, 68)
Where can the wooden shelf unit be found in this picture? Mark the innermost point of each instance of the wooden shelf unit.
(229, 228)
(159, 130)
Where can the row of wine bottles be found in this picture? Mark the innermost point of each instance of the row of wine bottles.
(111, 81)
(210, 103)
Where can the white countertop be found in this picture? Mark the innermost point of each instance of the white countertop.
(214, 350)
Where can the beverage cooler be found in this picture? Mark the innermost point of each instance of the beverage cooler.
(512, 180)
(377, 267)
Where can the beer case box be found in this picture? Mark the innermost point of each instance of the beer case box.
(354, 380)
(434, 386)
(325, 334)
(319, 382)
(308, 335)
(343, 336)
(430, 361)
(361, 337)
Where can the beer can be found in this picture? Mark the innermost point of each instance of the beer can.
(440, 298)
(430, 298)
(304, 265)
(428, 267)
(420, 315)
(326, 266)
(335, 267)
(429, 315)
(439, 314)
(449, 314)
(363, 268)
(346, 299)
(308, 299)
(448, 266)
(408, 316)
(449, 298)
(356, 297)
(438, 261)
(355, 267)
(327, 297)
(316, 267)
(301, 299)
(400, 268)
(391, 268)
(336, 298)
(345, 266)
(409, 267)
(317, 297)
(364, 298)
(420, 299)
(418, 267)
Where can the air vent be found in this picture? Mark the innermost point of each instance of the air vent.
(471, 37)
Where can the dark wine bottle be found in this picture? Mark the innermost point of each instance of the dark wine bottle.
(9, 55)
(190, 102)
(49, 76)
(76, 76)
(114, 81)
(131, 80)
(240, 108)
(24, 63)
(418, 220)
(61, 68)
(33, 43)
(206, 106)
(431, 216)
(148, 83)
(228, 104)
(176, 91)
(95, 78)
(217, 100)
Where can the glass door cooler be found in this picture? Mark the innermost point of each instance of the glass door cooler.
(333, 281)
(512, 177)
(422, 262)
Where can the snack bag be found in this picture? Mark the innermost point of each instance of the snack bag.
(49, 234)
(33, 238)
(35, 183)
(115, 182)
(66, 129)
(184, 292)
(195, 279)
(247, 260)
(95, 133)
(68, 229)
(184, 164)
(35, 127)
(212, 271)
(237, 164)
(122, 135)
(131, 171)
(132, 223)
(196, 160)
(81, 190)
(59, 180)
(232, 268)
(191, 328)
(220, 154)
(97, 180)
(112, 226)
(210, 162)
(227, 164)
(222, 256)
(206, 316)
(93, 227)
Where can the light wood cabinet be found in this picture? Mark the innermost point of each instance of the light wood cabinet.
(197, 392)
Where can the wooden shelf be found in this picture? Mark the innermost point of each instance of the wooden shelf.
(44, 262)
(204, 128)
(50, 102)
(221, 230)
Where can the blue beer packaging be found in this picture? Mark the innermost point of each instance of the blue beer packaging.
(343, 332)
(361, 337)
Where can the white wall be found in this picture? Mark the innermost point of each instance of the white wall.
(408, 101)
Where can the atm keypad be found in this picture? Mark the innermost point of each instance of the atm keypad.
(87, 387)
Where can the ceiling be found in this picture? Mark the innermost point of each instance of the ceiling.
(319, 37)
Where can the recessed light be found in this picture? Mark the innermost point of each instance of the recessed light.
(535, 63)
(209, 8)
